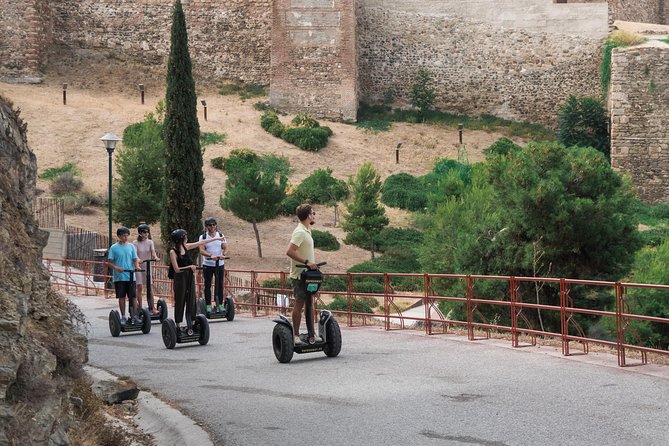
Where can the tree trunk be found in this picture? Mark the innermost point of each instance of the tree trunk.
(373, 247)
(255, 229)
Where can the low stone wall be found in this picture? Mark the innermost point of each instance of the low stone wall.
(639, 104)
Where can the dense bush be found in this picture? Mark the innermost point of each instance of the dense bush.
(53, 172)
(307, 138)
(389, 239)
(404, 191)
(289, 205)
(584, 122)
(340, 303)
(305, 132)
(270, 122)
(218, 163)
(66, 183)
(502, 146)
(324, 241)
(322, 188)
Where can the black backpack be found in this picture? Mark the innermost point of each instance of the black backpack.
(312, 279)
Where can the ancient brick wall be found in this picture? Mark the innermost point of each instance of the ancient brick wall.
(645, 11)
(521, 64)
(314, 64)
(227, 38)
(639, 104)
(25, 35)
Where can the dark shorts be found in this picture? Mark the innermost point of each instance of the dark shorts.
(124, 288)
(299, 291)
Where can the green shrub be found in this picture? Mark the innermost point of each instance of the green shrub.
(501, 147)
(207, 138)
(289, 205)
(583, 122)
(66, 183)
(274, 282)
(270, 122)
(54, 172)
(324, 241)
(305, 120)
(404, 191)
(340, 303)
(322, 188)
(218, 163)
(307, 138)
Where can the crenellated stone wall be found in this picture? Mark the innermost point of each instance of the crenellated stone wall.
(314, 63)
(639, 104)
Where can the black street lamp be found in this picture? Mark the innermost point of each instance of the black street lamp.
(110, 141)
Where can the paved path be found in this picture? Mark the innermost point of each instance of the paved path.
(388, 388)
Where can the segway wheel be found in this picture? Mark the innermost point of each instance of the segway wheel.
(333, 338)
(230, 307)
(162, 309)
(169, 329)
(282, 341)
(114, 323)
(145, 317)
(202, 325)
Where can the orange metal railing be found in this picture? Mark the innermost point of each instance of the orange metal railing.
(90, 277)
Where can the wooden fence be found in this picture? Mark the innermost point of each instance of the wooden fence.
(49, 212)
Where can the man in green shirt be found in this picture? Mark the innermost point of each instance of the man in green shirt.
(301, 251)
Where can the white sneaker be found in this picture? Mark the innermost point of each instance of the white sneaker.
(315, 339)
(123, 320)
(297, 340)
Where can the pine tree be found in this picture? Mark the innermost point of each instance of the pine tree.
(254, 190)
(183, 199)
(364, 214)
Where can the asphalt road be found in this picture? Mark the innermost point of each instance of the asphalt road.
(387, 388)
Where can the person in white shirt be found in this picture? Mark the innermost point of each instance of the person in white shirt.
(212, 251)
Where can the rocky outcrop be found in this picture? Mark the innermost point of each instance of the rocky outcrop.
(41, 348)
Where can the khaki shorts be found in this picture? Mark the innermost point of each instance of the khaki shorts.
(299, 291)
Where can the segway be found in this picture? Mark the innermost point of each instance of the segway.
(143, 322)
(193, 331)
(221, 311)
(161, 315)
(328, 328)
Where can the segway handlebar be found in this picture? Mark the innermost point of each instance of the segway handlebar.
(133, 270)
(302, 265)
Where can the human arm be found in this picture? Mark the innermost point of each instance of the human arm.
(175, 264)
(293, 254)
(154, 256)
(193, 245)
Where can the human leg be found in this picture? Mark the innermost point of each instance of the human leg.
(179, 299)
(220, 274)
(139, 295)
(208, 272)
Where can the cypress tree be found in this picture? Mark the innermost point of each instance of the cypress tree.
(183, 197)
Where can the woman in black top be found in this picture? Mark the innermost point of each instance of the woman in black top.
(184, 273)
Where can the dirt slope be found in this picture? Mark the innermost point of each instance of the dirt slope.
(60, 133)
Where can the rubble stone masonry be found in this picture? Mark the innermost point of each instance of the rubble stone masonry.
(639, 104)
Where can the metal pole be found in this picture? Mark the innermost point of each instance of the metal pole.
(460, 127)
(110, 151)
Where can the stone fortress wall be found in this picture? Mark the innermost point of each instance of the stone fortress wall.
(516, 59)
(639, 105)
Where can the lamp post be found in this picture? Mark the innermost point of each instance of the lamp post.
(110, 141)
